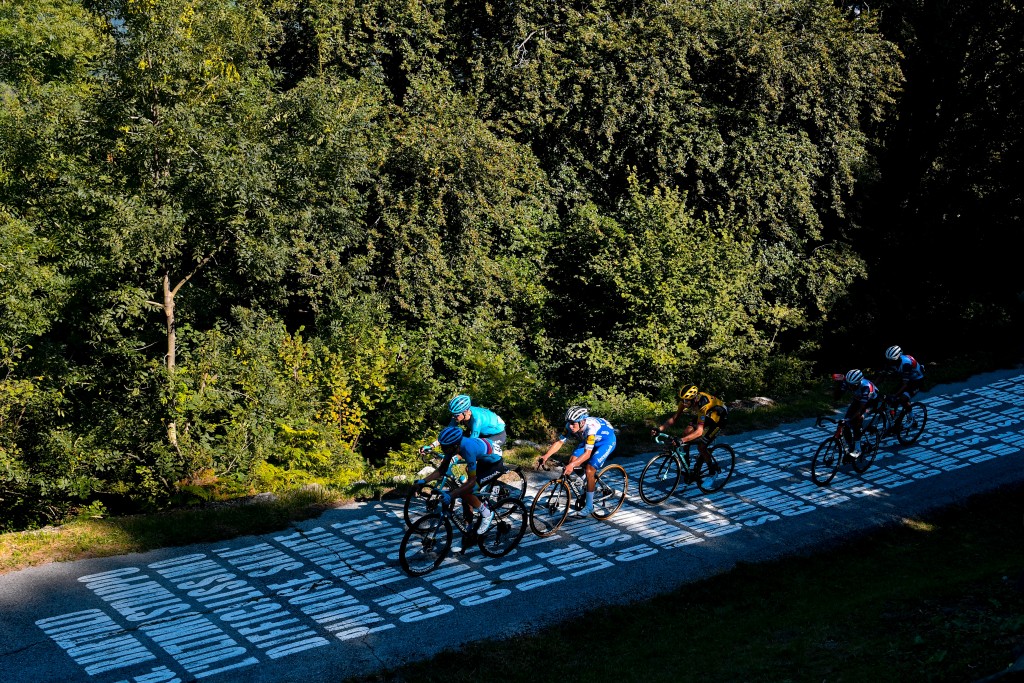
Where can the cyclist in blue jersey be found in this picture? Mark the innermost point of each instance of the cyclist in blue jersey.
(865, 395)
(476, 422)
(909, 371)
(483, 464)
(596, 442)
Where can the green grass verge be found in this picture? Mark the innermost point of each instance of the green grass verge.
(939, 598)
(88, 537)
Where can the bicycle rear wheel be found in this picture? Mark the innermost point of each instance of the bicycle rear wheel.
(826, 461)
(610, 488)
(910, 424)
(550, 507)
(869, 442)
(660, 478)
(425, 545)
(506, 530)
(713, 477)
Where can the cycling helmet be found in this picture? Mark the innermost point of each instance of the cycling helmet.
(459, 404)
(893, 353)
(575, 414)
(450, 436)
(688, 392)
(854, 377)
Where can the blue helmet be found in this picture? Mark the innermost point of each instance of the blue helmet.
(854, 377)
(450, 438)
(893, 353)
(459, 404)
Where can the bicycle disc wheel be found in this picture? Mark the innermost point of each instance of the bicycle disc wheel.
(869, 442)
(506, 530)
(425, 545)
(826, 461)
(660, 478)
(723, 462)
(610, 485)
(419, 504)
(550, 508)
(911, 423)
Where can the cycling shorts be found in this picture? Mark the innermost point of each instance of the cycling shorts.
(913, 386)
(486, 472)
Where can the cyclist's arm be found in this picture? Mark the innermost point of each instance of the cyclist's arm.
(696, 433)
(671, 420)
(552, 449)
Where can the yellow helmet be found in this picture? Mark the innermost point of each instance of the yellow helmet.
(688, 392)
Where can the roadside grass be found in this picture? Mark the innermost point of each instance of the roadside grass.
(87, 537)
(936, 598)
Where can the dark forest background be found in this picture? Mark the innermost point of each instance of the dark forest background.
(260, 242)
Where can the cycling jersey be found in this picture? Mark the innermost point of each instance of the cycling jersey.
(705, 407)
(477, 451)
(598, 436)
(595, 430)
(909, 369)
(863, 391)
(483, 421)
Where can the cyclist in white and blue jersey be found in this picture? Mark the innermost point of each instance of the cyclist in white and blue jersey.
(865, 395)
(596, 442)
(476, 422)
(483, 464)
(910, 372)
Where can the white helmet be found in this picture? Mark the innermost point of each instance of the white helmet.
(854, 377)
(893, 353)
(575, 414)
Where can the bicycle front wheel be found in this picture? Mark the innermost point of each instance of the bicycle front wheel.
(869, 441)
(610, 487)
(826, 461)
(911, 422)
(419, 502)
(506, 530)
(550, 507)
(716, 474)
(660, 478)
(425, 545)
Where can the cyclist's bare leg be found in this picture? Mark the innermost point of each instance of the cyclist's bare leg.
(591, 478)
(703, 457)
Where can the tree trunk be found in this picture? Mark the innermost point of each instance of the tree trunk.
(172, 343)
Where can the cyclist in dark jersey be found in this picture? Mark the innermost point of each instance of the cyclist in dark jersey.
(483, 463)
(909, 371)
(865, 395)
(709, 414)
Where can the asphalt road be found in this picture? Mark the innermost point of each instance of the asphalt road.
(326, 598)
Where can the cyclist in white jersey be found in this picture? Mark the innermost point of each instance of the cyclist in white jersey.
(597, 441)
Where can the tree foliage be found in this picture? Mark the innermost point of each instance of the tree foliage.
(260, 242)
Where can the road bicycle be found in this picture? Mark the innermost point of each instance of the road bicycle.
(425, 499)
(834, 450)
(886, 418)
(551, 504)
(662, 473)
(428, 540)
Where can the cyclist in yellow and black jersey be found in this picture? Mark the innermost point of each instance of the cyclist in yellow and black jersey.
(709, 415)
